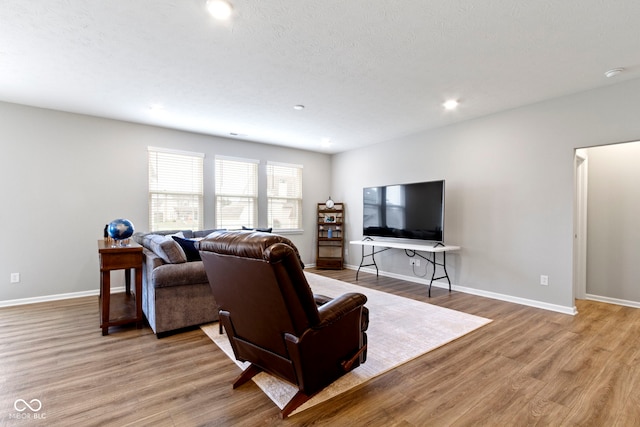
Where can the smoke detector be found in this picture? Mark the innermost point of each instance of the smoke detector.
(613, 72)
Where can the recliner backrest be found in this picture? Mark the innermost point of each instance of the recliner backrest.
(258, 278)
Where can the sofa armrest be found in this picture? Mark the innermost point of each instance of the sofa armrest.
(160, 274)
(187, 273)
(152, 259)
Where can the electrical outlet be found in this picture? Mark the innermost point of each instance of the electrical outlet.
(414, 261)
(15, 277)
(544, 280)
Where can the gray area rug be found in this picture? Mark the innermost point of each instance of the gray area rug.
(400, 329)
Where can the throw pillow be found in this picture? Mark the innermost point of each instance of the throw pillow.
(188, 246)
(165, 247)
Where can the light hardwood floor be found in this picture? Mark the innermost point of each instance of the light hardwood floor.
(527, 367)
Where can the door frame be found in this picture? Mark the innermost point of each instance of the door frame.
(581, 181)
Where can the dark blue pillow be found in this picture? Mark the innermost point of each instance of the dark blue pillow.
(188, 246)
(265, 230)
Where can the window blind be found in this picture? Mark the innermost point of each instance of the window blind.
(284, 196)
(175, 189)
(236, 192)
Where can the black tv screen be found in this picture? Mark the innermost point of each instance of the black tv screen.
(410, 211)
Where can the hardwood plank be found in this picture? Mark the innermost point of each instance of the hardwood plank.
(528, 367)
(604, 400)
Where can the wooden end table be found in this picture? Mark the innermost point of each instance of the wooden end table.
(127, 308)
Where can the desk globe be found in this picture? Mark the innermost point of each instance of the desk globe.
(120, 230)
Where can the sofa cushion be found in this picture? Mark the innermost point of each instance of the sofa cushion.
(189, 249)
(204, 233)
(165, 247)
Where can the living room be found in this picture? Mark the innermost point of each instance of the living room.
(509, 183)
(509, 176)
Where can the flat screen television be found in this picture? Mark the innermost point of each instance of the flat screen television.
(409, 211)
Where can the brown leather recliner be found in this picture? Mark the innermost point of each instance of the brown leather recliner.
(272, 318)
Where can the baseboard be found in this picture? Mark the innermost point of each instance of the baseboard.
(609, 300)
(464, 289)
(474, 291)
(56, 297)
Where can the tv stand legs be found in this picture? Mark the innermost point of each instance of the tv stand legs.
(373, 259)
(444, 267)
(431, 259)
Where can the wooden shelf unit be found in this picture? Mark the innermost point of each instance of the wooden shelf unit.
(330, 237)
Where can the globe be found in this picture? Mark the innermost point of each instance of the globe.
(120, 229)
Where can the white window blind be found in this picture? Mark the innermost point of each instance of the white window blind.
(175, 189)
(236, 193)
(284, 196)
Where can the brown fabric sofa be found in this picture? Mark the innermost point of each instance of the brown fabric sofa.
(272, 318)
(175, 291)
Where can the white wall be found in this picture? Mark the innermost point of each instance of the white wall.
(509, 188)
(64, 176)
(613, 248)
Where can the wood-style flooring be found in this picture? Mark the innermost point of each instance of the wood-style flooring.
(528, 367)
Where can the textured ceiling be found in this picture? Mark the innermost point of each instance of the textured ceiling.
(366, 70)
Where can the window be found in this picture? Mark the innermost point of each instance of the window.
(236, 193)
(284, 196)
(175, 189)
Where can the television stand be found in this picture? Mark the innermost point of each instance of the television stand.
(411, 250)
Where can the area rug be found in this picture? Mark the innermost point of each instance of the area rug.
(400, 329)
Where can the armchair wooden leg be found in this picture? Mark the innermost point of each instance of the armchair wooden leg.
(296, 401)
(246, 375)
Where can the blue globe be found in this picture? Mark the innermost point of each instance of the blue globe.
(120, 229)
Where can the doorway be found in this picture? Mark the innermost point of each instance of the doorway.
(606, 232)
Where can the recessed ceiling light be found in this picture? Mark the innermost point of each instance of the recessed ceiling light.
(451, 104)
(219, 9)
(298, 107)
(613, 72)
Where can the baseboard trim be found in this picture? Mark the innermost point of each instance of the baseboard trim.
(464, 289)
(609, 300)
(56, 297)
(473, 291)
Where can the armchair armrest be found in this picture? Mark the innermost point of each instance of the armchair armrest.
(337, 308)
(321, 299)
(335, 345)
